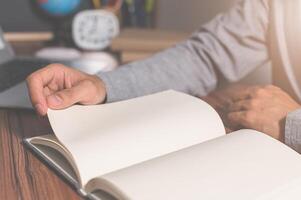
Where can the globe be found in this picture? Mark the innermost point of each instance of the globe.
(59, 8)
(59, 14)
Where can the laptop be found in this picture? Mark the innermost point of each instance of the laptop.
(13, 72)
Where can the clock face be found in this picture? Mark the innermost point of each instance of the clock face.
(94, 30)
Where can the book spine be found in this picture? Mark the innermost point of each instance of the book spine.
(68, 179)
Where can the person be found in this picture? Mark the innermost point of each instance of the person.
(233, 44)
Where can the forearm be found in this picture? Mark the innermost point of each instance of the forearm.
(293, 130)
(232, 44)
(176, 68)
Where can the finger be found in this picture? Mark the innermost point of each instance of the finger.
(240, 106)
(240, 119)
(35, 87)
(47, 91)
(248, 93)
(228, 130)
(36, 83)
(242, 96)
(68, 97)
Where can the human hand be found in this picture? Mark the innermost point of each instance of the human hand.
(263, 109)
(58, 87)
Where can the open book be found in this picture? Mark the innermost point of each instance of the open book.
(165, 146)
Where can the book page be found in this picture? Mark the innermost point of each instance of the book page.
(106, 138)
(242, 165)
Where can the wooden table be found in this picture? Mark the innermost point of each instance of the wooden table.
(23, 176)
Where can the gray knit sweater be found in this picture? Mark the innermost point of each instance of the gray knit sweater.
(233, 44)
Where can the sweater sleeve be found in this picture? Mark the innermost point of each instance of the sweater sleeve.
(232, 44)
(293, 130)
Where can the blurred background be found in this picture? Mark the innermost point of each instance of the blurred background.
(146, 27)
(183, 15)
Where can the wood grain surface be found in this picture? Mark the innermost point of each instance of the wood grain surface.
(22, 175)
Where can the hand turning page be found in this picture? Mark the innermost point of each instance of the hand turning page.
(110, 137)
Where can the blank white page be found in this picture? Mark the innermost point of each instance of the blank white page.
(105, 138)
(244, 165)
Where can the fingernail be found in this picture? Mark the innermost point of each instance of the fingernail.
(40, 109)
(55, 100)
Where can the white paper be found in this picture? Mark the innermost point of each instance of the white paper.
(243, 165)
(110, 137)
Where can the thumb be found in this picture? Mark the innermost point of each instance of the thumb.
(67, 97)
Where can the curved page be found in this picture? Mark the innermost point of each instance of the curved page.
(244, 165)
(106, 138)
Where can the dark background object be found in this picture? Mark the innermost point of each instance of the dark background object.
(22, 16)
(18, 15)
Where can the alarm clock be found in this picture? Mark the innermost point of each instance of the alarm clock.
(94, 29)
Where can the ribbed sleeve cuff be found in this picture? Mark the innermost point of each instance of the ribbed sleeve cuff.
(293, 130)
(109, 87)
(120, 85)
